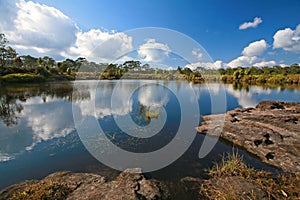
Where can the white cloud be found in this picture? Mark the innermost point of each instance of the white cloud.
(250, 57)
(287, 39)
(47, 123)
(254, 24)
(255, 48)
(40, 30)
(244, 61)
(153, 51)
(209, 65)
(197, 53)
(151, 96)
(35, 28)
(38, 123)
(248, 98)
(102, 46)
(249, 61)
(263, 63)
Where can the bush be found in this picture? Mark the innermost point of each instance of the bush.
(43, 71)
(22, 78)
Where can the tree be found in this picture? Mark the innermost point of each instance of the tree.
(236, 75)
(222, 71)
(40, 62)
(18, 62)
(69, 71)
(132, 64)
(9, 109)
(48, 62)
(29, 61)
(179, 69)
(68, 63)
(7, 53)
(187, 71)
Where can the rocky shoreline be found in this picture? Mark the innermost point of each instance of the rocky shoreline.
(68, 185)
(270, 131)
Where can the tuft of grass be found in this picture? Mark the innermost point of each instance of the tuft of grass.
(233, 179)
(231, 165)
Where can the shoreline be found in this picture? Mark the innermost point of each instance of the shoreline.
(260, 80)
(270, 131)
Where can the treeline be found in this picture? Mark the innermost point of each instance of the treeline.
(26, 68)
(256, 75)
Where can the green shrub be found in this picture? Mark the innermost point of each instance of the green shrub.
(22, 78)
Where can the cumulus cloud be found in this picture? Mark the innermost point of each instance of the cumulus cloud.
(197, 53)
(287, 39)
(102, 46)
(254, 24)
(249, 61)
(250, 56)
(40, 30)
(244, 61)
(255, 48)
(208, 65)
(35, 28)
(153, 51)
(263, 63)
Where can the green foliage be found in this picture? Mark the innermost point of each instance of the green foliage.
(22, 78)
(67, 69)
(236, 75)
(45, 191)
(7, 53)
(42, 71)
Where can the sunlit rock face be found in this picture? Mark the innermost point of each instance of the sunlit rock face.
(270, 131)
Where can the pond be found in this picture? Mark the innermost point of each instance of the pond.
(38, 135)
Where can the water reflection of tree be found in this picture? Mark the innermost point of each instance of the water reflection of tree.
(246, 86)
(11, 98)
(146, 113)
(9, 110)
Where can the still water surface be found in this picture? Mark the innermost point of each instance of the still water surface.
(38, 135)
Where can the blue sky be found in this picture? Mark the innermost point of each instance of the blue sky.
(213, 24)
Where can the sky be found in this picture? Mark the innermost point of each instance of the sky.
(231, 33)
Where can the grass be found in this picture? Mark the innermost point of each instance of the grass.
(231, 165)
(233, 179)
(33, 78)
(47, 190)
(22, 78)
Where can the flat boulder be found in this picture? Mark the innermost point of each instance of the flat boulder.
(271, 131)
(68, 185)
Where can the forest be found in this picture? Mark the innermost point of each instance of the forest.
(26, 68)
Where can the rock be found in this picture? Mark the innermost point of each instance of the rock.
(68, 185)
(271, 131)
(232, 187)
(191, 183)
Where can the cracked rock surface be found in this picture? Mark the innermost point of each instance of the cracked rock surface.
(271, 131)
(68, 185)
